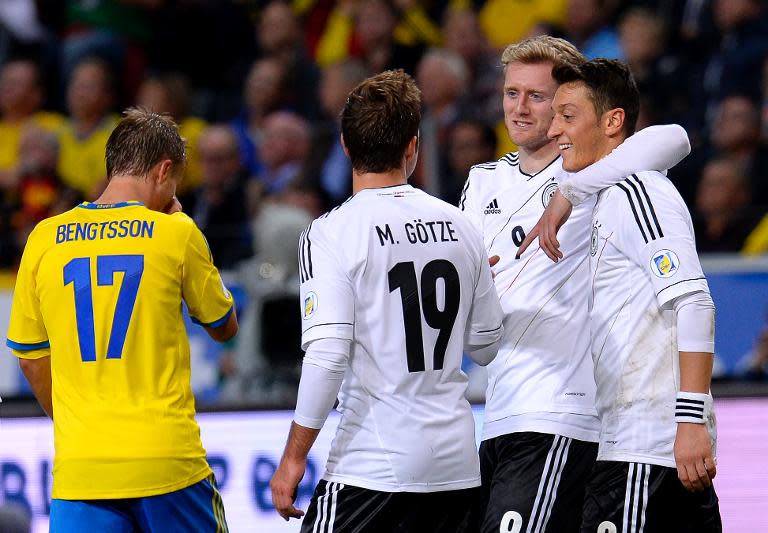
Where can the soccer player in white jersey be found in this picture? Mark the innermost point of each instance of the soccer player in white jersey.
(652, 324)
(541, 427)
(395, 285)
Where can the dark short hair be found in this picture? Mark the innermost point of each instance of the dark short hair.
(141, 140)
(380, 118)
(610, 85)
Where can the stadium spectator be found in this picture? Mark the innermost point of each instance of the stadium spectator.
(735, 66)
(115, 31)
(262, 94)
(170, 93)
(221, 205)
(462, 35)
(327, 165)
(443, 78)
(735, 132)
(132, 455)
(470, 142)
(283, 150)
(39, 192)
(21, 101)
(724, 216)
(587, 27)
(509, 21)
(644, 41)
(365, 29)
(280, 36)
(754, 364)
(82, 139)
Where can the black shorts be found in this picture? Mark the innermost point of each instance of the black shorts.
(339, 508)
(642, 498)
(535, 480)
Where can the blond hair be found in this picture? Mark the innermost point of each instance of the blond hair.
(543, 49)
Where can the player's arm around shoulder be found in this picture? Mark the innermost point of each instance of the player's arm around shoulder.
(210, 303)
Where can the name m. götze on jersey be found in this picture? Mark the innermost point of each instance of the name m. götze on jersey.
(420, 232)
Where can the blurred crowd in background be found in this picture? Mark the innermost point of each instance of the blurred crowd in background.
(257, 86)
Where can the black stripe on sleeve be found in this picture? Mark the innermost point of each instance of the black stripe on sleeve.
(302, 267)
(634, 211)
(650, 204)
(309, 250)
(464, 195)
(642, 209)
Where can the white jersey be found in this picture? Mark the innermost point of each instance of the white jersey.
(404, 276)
(643, 255)
(541, 379)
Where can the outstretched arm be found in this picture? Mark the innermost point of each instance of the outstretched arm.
(653, 148)
(321, 376)
(693, 446)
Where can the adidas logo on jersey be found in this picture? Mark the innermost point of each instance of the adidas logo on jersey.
(493, 208)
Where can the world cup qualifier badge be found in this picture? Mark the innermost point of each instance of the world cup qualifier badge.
(310, 305)
(664, 263)
(548, 193)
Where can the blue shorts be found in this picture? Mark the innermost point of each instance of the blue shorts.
(197, 508)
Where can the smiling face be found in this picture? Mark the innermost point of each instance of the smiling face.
(576, 127)
(528, 93)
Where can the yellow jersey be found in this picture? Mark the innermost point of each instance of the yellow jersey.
(100, 290)
(81, 160)
(10, 135)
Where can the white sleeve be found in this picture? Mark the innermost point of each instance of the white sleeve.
(485, 320)
(321, 375)
(695, 322)
(657, 235)
(327, 296)
(653, 148)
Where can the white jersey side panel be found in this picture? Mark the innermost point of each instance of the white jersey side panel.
(542, 378)
(402, 275)
(642, 255)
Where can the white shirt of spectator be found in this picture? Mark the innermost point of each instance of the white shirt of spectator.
(642, 256)
(403, 276)
(541, 379)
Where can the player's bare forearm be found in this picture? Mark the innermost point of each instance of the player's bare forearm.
(291, 469)
(300, 441)
(38, 374)
(695, 371)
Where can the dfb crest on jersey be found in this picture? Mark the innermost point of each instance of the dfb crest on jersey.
(549, 192)
(310, 305)
(594, 240)
(664, 263)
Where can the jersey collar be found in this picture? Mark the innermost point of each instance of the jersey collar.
(90, 205)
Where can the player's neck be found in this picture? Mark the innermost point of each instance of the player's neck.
(375, 180)
(533, 160)
(123, 189)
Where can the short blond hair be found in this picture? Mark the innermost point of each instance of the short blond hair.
(543, 49)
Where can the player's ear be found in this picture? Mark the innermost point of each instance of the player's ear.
(613, 121)
(164, 170)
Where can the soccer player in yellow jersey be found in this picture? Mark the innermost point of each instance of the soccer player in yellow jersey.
(97, 325)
